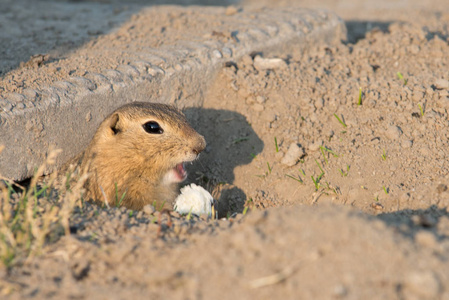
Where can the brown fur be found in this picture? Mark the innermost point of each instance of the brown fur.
(123, 154)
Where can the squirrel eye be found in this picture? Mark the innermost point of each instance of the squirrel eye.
(153, 127)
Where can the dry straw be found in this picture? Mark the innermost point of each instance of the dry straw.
(32, 216)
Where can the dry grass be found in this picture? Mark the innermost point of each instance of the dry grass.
(32, 216)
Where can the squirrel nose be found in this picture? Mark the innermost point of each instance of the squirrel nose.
(199, 147)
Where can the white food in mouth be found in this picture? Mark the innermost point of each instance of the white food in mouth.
(194, 199)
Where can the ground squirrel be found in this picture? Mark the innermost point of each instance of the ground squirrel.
(139, 151)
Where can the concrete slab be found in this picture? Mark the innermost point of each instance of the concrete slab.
(159, 55)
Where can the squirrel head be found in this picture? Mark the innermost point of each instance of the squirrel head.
(155, 136)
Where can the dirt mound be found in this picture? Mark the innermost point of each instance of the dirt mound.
(306, 252)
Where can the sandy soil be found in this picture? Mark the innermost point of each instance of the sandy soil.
(373, 225)
(71, 39)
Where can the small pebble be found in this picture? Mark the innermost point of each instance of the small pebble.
(340, 290)
(234, 86)
(148, 209)
(424, 284)
(406, 144)
(261, 99)
(258, 107)
(269, 63)
(279, 155)
(377, 206)
(424, 151)
(443, 93)
(269, 116)
(441, 188)
(319, 103)
(244, 93)
(426, 239)
(413, 49)
(441, 84)
(443, 102)
(226, 52)
(217, 53)
(315, 146)
(246, 60)
(231, 10)
(393, 132)
(175, 214)
(250, 100)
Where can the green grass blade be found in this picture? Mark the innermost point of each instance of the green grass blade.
(339, 120)
(360, 96)
(319, 166)
(294, 178)
(324, 156)
(402, 78)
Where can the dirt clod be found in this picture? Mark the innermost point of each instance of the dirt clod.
(293, 155)
(441, 84)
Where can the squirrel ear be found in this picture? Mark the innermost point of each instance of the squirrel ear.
(114, 123)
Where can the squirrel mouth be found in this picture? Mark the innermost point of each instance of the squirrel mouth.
(180, 171)
(176, 174)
